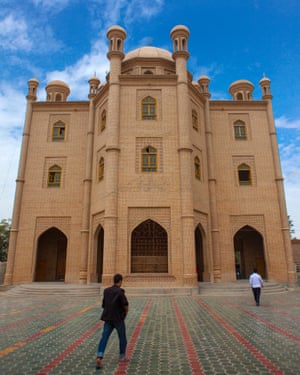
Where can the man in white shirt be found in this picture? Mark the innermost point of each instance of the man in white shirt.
(256, 283)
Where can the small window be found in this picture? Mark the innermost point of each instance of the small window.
(103, 120)
(240, 130)
(195, 119)
(239, 96)
(58, 132)
(54, 176)
(149, 159)
(101, 169)
(197, 168)
(244, 173)
(149, 108)
(58, 98)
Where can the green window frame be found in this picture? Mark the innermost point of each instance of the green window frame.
(149, 159)
(149, 108)
(54, 176)
(101, 169)
(244, 174)
(240, 130)
(58, 132)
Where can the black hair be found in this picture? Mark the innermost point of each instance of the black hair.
(255, 270)
(117, 278)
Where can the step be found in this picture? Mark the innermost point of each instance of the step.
(239, 287)
(53, 288)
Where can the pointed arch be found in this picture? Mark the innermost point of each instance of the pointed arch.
(51, 256)
(240, 130)
(100, 253)
(249, 252)
(149, 248)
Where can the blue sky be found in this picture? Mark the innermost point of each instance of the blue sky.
(230, 40)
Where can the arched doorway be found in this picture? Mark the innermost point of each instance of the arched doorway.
(199, 254)
(149, 248)
(100, 247)
(51, 256)
(249, 252)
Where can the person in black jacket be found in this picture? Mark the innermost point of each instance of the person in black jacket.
(115, 309)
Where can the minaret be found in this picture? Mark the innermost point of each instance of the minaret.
(265, 84)
(116, 36)
(31, 97)
(179, 35)
(94, 83)
(204, 84)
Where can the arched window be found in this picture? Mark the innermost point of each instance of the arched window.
(103, 120)
(58, 132)
(148, 108)
(58, 98)
(240, 131)
(244, 173)
(239, 96)
(149, 159)
(149, 248)
(54, 176)
(195, 119)
(197, 168)
(101, 169)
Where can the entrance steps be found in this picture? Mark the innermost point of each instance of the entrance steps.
(54, 288)
(239, 287)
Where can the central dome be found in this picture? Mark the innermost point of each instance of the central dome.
(149, 52)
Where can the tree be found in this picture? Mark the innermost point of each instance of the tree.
(291, 225)
(5, 225)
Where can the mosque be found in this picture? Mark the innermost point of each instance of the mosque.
(150, 178)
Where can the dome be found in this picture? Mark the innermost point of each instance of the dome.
(57, 91)
(149, 52)
(58, 83)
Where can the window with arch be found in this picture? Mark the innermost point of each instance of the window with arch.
(101, 169)
(240, 130)
(54, 176)
(149, 108)
(195, 119)
(103, 120)
(58, 98)
(58, 132)
(149, 159)
(239, 96)
(244, 174)
(197, 168)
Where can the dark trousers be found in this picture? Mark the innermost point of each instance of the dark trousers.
(256, 294)
(107, 330)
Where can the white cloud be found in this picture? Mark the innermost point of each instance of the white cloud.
(77, 75)
(12, 114)
(14, 33)
(285, 123)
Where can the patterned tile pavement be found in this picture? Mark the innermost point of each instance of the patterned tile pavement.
(166, 335)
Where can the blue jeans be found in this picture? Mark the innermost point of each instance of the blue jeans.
(107, 330)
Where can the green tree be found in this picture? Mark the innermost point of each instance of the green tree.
(5, 225)
(291, 225)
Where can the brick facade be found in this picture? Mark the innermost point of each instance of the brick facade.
(214, 226)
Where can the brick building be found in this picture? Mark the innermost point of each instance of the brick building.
(150, 178)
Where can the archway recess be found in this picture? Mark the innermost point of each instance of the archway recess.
(51, 256)
(149, 248)
(249, 252)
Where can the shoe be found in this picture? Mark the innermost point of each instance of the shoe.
(98, 363)
(124, 359)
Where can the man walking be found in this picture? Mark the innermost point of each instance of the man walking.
(256, 283)
(115, 309)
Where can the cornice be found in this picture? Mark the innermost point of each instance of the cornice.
(61, 106)
(222, 105)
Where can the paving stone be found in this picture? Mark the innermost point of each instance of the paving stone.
(180, 335)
